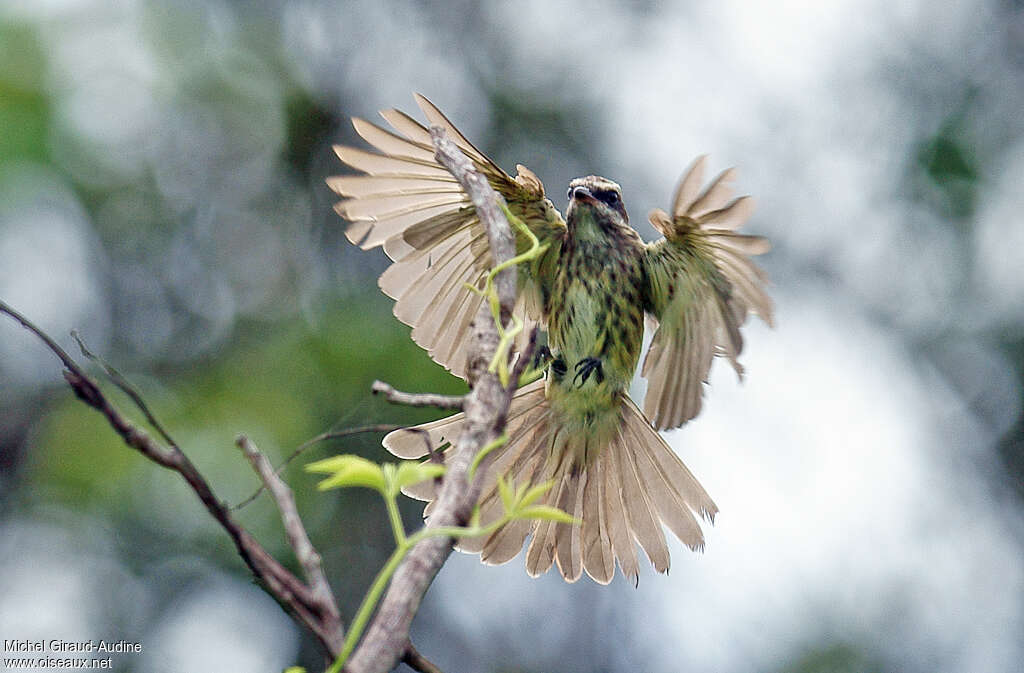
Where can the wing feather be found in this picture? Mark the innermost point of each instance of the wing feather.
(409, 204)
(390, 143)
(372, 185)
(380, 164)
(731, 216)
(689, 186)
(715, 196)
(437, 117)
(701, 286)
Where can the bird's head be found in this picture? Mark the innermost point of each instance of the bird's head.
(597, 199)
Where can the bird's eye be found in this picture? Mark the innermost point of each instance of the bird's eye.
(609, 196)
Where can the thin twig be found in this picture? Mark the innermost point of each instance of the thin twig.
(276, 579)
(386, 639)
(43, 336)
(416, 661)
(126, 387)
(322, 437)
(418, 399)
(525, 357)
(298, 540)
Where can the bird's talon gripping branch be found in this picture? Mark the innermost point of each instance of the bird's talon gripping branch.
(586, 367)
(537, 368)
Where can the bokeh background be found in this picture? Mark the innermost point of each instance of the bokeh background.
(162, 190)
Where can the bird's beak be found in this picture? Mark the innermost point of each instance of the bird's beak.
(583, 195)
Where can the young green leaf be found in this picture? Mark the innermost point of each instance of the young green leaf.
(508, 498)
(411, 472)
(546, 512)
(482, 453)
(348, 470)
(531, 496)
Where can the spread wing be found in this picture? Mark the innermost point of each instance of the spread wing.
(410, 204)
(701, 286)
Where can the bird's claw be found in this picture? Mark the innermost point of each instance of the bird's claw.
(542, 357)
(586, 367)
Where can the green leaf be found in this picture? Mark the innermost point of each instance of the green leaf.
(531, 496)
(483, 453)
(349, 470)
(294, 669)
(411, 472)
(507, 497)
(333, 464)
(546, 512)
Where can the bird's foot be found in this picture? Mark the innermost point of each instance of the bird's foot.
(558, 368)
(586, 367)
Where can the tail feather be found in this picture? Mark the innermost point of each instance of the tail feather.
(674, 490)
(410, 443)
(489, 510)
(541, 552)
(598, 553)
(640, 514)
(506, 543)
(674, 474)
(528, 432)
(502, 462)
(413, 443)
(622, 496)
(568, 537)
(665, 500)
(620, 533)
(522, 470)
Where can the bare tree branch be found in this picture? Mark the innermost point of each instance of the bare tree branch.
(418, 399)
(298, 540)
(387, 637)
(291, 592)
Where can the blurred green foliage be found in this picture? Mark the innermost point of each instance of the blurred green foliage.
(946, 160)
(24, 106)
(280, 386)
(834, 658)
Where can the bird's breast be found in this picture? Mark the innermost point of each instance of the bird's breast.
(596, 310)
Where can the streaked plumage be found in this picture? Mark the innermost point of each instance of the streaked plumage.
(591, 290)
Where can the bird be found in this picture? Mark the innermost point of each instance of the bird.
(593, 290)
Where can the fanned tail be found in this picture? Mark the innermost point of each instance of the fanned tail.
(631, 487)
